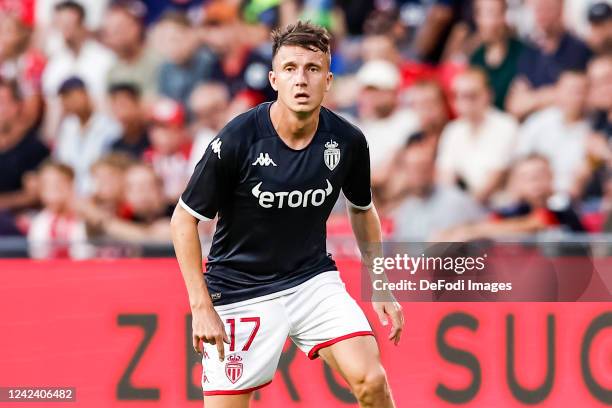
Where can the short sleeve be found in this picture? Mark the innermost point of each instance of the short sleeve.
(356, 187)
(445, 161)
(211, 181)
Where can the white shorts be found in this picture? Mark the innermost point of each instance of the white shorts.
(315, 314)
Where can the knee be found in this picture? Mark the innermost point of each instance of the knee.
(371, 388)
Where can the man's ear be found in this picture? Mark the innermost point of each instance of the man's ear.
(272, 79)
(329, 80)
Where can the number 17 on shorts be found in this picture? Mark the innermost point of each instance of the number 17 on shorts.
(251, 357)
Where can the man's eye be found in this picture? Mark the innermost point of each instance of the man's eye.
(289, 69)
(314, 69)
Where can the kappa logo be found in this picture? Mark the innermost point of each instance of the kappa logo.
(331, 155)
(216, 147)
(294, 199)
(233, 368)
(264, 160)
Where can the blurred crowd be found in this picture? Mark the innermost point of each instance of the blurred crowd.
(484, 118)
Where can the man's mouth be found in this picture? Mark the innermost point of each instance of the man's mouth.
(302, 95)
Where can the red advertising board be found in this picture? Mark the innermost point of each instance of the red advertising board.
(118, 331)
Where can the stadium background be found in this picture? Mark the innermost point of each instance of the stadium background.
(105, 106)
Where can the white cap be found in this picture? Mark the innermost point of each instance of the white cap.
(379, 74)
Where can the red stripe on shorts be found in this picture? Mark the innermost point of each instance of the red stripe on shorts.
(313, 353)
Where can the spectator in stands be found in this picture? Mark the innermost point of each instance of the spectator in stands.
(500, 52)
(559, 133)
(432, 23)
(108, 196)
(82, 56)
(427, 100)
(418, 206)
(123, 32)
(127, 108)
(85, 133)
(555, 50)
(380, 46)
(186, 62)
(606, 204)
(150, 212)
(600, 27)
(594, 171)
(57, 232)
(535, 207)
(170, 149)
(23, 64)
(600, 78)
(245, 60)
(209, 104)
(385, 125)
(20, 152)
(476, 148)
(108, 175)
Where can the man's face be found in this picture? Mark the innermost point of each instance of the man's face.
(379, 47)
(427, 102)
(166, 139)
(75, 101)
(108, 183)
(417, 167)
(600, 77)
(56, 189)
(548, 14)
(120, 32)
(572, 92)
(69, 23)
(125, 108)
(11, 35)
(471, 97)
(209, 104)
(377, 103)
(176, 43)
(9, 108)
(490, 19)
(600, 37)
(142, 190)
(301, 77)
(532, 180)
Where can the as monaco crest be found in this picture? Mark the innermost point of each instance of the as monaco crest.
(331, 155)
(233, 368)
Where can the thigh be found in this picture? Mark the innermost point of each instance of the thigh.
(322, 313)
(257, 333)
(227, 401)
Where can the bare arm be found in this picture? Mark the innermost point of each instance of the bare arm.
(493, 229)
(522, 99)
(366, 227)
(206, 324)
(17, 199)
(132, 232)
(438, 18)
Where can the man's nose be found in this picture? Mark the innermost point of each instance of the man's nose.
(300, 77)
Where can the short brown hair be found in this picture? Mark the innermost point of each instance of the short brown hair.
(62, 168)
(175, 17)
(117, 160)
(302, 34)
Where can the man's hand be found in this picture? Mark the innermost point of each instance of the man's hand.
(208, 328)
(394, 311)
